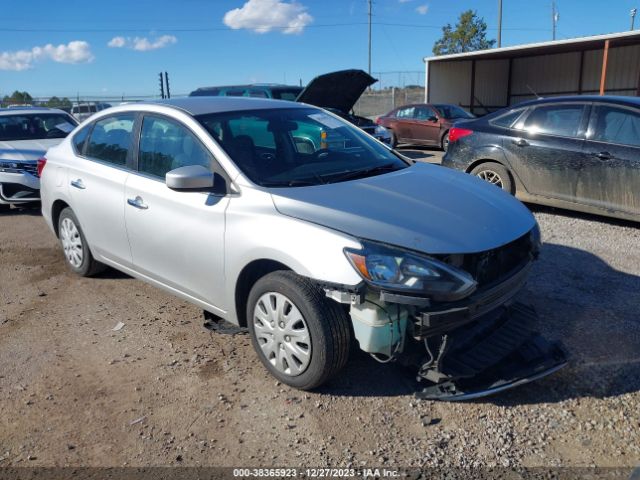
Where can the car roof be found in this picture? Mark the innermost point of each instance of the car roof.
(23, 110)
(582, 98)
(203, 105)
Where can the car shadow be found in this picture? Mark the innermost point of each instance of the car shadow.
(581, 215)
(582, 302)
(419, 153)
(33, 210)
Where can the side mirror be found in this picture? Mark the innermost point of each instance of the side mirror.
(192, 178)
(433, 119)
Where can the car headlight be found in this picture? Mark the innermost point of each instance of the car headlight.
(380, 131)
(401, 270)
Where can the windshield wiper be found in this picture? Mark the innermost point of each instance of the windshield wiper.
(367, 172)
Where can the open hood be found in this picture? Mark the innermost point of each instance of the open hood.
(338, 90)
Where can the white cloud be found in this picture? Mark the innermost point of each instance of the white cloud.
(74, 52)
(117, 42)
(262, 16)
(422, 9)
(142, 44)
(404, 1)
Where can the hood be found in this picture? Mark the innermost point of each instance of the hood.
(340, 90)
(24, 150)
(426, 208)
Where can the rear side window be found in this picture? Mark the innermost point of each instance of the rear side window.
(561, 120)
(110, 139)
(617, 125)
(508, 119)
(406, 112)
(166, 144)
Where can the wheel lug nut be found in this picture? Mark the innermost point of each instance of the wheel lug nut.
(287, 339)
(281, 324)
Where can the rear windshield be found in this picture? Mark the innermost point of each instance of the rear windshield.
(35, 126)
(452, 111)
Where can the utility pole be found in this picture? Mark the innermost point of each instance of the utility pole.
(555, 16)
(161, 85)
(166, 80)
(633, 17)
(499, 23)
(370, 7)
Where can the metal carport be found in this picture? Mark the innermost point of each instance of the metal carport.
(486, 80)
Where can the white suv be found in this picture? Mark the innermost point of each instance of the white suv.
(285, 219)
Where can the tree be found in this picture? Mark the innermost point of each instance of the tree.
(55, 102)
(469, 34)
(17, 98)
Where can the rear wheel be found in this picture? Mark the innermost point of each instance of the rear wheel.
(394, 139)
(76, 250)
(495, 174)
(445, 142)
(300, 335)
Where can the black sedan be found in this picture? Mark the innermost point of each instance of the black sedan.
(578, 152)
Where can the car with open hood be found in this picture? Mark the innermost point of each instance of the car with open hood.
(25, 135)
(337, 92)
(285, 219)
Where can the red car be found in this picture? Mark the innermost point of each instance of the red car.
(422, 123)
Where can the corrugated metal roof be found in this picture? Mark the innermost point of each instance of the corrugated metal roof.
(504, 51)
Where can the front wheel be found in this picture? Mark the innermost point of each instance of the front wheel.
(495, 174)
(300, 335)
(77, 254)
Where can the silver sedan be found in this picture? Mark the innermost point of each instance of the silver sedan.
(287, 220)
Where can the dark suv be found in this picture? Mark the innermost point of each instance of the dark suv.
(576, 152)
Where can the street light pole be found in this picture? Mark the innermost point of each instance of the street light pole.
(370, 2)
(499, 23)
(554, 17)
(633, 17)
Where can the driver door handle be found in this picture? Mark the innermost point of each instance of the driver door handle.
(137, 203)
(603, 155)
(78, 184)
(520, 142)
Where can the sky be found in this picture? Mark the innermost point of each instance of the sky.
(118, 47)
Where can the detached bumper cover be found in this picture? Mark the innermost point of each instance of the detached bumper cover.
(499, 352)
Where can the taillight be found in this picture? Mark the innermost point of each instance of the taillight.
(41, 163)
(378, 120)
(456, 133)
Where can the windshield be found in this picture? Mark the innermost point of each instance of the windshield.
(298, 146)
(34, 126)
(452, 111)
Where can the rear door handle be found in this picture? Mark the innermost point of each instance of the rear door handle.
(603, 155)
(521, 142)
(78, 184)
(137, 203)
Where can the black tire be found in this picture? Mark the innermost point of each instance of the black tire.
(444, 143)
(326, 322)
(88, 266)
(495, 174)
(394, 139)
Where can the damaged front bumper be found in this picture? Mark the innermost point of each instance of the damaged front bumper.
(19, 182)
(462, 350)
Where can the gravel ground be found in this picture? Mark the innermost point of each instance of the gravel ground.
(164, 391)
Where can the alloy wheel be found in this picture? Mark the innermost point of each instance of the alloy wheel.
(71, 242)
(491, 177)
(282, 333)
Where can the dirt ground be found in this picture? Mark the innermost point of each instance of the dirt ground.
(164, 391)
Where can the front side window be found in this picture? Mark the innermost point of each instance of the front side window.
(561, 120)
(166, 144)
(617, 125)
(34, 126)
(451, 112)
(298, 146)
(423, 113)
(110, 139)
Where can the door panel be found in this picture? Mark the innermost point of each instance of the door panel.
(424, 130)
(177, 238)
(611, 175)
(546, 151)
(97, 186)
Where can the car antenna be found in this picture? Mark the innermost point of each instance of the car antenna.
(533, 91)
